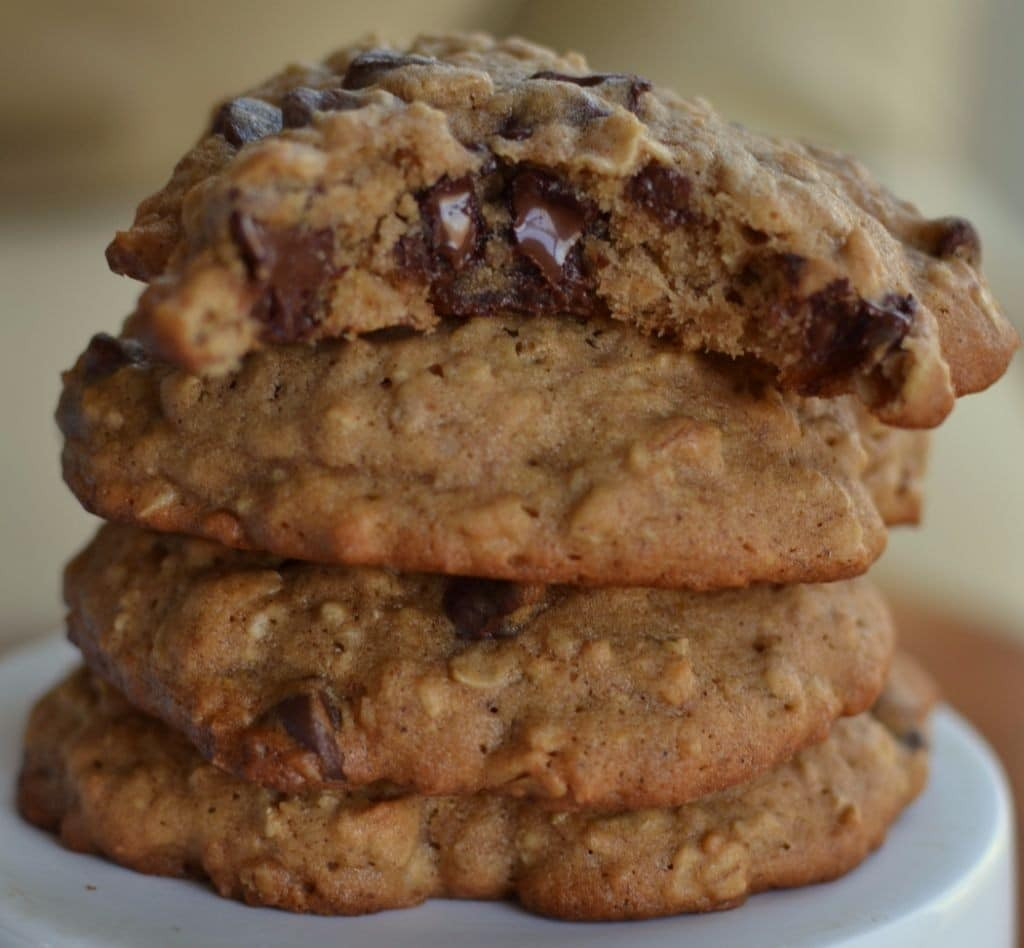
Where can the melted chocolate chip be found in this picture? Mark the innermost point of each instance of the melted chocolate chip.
(547, 221)
(453, 218)
(663, 192)
(477, 607)
(300, 105)
(246, 120)
(845, 331)
(311, 719)
(106, 354)
(368, 67)
(291, 267)
(496, 274)
(955, 237)
(623, 87)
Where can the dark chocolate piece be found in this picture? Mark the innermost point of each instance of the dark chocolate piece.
(478, 607)
(311, 719)
(300, 105)
(663, 192)
(106, 354)
(463, 278)
(453, 219)
(368, 67)
(515, 128)
(955, 237)
(292, 267)
(246, 120)
(547, 222)
(845, 332)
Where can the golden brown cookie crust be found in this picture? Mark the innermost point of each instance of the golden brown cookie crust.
(467, 176)
(534, 449)
(90, 760)
(298, 676)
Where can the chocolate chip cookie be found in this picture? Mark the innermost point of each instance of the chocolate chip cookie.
(298, 676)
(535, 449)
(90, 760)
(463, 176)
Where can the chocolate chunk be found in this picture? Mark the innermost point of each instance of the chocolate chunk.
(292, 268)
(246, 120)
(622, 87)
(547, 221)
(515, 128)
(453, 218)
(311, 720)
(955, 237)
(368, 67)
(663, 192)
(470, 283)
(478, 607)
(106, 354)
(300, 105)
(845, 332)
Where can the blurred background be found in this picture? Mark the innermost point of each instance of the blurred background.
(101, 98)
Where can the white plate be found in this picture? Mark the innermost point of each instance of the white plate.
(945, 877)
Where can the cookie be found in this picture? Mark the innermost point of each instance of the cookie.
(535, 449)
(464, 176)
(299, 676)
(896, 467)
(109, 780)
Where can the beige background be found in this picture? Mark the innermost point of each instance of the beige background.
(102, 97)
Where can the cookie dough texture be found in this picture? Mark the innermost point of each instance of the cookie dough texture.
(464, 176)
(539, 449)
(112, 781)
(299, 676)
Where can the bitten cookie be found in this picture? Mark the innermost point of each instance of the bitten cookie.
(299, 676)
(464, 176)
(90, 759)
(536, 449)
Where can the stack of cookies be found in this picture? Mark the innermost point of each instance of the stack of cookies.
(491, 460)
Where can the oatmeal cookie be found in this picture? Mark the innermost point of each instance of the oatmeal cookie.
(300, 676)
(534, 449)
(465, 176)
(110, 780)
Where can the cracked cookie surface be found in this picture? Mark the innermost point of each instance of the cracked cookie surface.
(465, 176)
(90, 759)
(299, 676)
(537, 449)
